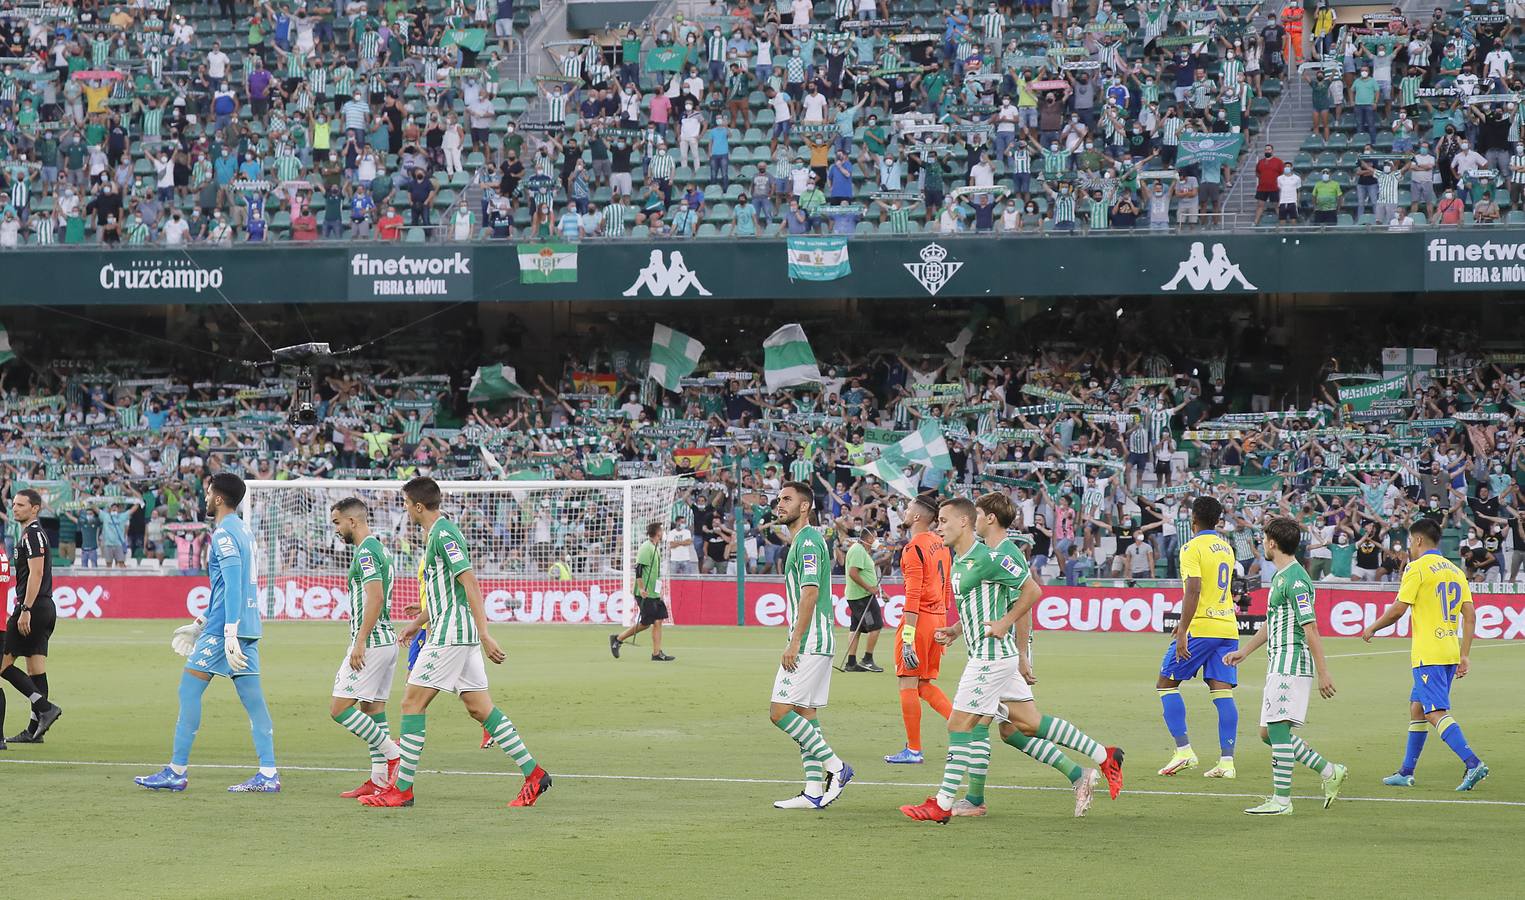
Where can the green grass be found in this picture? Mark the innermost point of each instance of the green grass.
(710, 831)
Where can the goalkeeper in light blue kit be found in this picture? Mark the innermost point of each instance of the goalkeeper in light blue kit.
(223, 642)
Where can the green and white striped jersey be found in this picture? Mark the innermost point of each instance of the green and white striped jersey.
(445, 557)
(985, 584)
(1288, 609)
(371, 562)
(809, 563)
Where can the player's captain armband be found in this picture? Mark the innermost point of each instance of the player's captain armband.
(908, 634)
(809, 564)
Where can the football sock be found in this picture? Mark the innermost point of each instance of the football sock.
(1282, 755)
(1228, 720)
(252, 695)
(979, 763)
(868, 659)
(852, 660)
(1047, 753)
(809, 737)
(380, 758)
(956, 769)
(1419, 729)
(1064, 734)
(910, 712)
(1310, 757)
(1175, 715)
(2, 711)
(506, 736)
(815, 774)
(935, 698)
(188, 722)
(25, 686)
(42, 688)
(1450, 732)
(412, 746)
(367, 729)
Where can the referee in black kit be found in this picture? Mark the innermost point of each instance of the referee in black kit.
(31, 623)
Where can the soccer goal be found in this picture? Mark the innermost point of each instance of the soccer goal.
(543, 551)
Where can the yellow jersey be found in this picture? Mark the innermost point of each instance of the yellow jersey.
(1434, 590)
(1209, 557)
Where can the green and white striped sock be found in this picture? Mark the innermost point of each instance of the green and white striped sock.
(815, 774)
(805, 733)
(1047, 753)
(979, 763)
(1281, 770)
(1310, 758)
(506, 736)
(367, 729)
(956, 768)
(412, 747)
(1066, 735)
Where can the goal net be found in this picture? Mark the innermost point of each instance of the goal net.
(543, 551)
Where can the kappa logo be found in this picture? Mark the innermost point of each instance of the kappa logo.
(935, 269)
(1200, 273)
(670, 279)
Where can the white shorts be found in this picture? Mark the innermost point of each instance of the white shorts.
(1285, 699)
(454, 670)
(986, 683)
(808, 685)
(503, 28)
(373, 681)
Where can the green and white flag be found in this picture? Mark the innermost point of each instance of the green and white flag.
(1361, 396)
(494, 383)
(889, 473)
(958, 345)
(6, 355)
(788, 359)
(674, 356)
(547, 263)
(1208, 149)
(924, 447)
(818, 258)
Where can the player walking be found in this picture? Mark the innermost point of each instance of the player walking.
(924, 564)
(1294, 653)
(1435, 593)
(365, 676)
(224, 642)
(1208, 631)
(648, 564)
(31, 623)
(451, 659)
(803, 682)
(862, 595)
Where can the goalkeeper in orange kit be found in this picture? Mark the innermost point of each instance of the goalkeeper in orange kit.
(925, 565)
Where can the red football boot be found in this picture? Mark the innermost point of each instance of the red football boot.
(1112, 770)
(392, 771)
(364, 790)
(389, 797)
(535, 784)
(928, 812)
(486, 739)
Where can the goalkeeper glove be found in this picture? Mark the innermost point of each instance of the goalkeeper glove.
(908, 647)
(237, 661)
(184, 640)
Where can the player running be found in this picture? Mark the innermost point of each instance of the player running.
(451, 659)
(365, 675)
(648, 564)
(1208, 631)
(1435, 593)
(924, 564)
(995, 591)
(1294, 653)
(803, 681)
(31, 623)
(223, 642)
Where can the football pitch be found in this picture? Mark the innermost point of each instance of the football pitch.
(665, 776)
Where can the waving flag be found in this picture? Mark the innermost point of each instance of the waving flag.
(788, 359)
(674, 356)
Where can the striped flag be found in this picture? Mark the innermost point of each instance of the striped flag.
(890, 474)
(788, 359)
(674, 356)
(923, 447)
(494, 383)
(818, 258)
(6, 355)
(547, 263)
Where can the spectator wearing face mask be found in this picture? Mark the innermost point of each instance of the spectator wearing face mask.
(1326, 200)
(1288, 183)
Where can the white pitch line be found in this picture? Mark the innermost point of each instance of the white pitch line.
(716, 780)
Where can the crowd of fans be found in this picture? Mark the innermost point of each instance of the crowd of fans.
(1102, 449)
(165, 123)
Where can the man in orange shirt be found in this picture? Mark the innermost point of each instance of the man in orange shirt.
(1292, 20)
(925, 564)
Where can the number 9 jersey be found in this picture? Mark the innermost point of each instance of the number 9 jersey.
(1209, 557)
(1434, 590)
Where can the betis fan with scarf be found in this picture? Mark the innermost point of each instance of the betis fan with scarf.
(925, 564)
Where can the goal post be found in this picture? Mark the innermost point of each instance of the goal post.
(542, 551)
